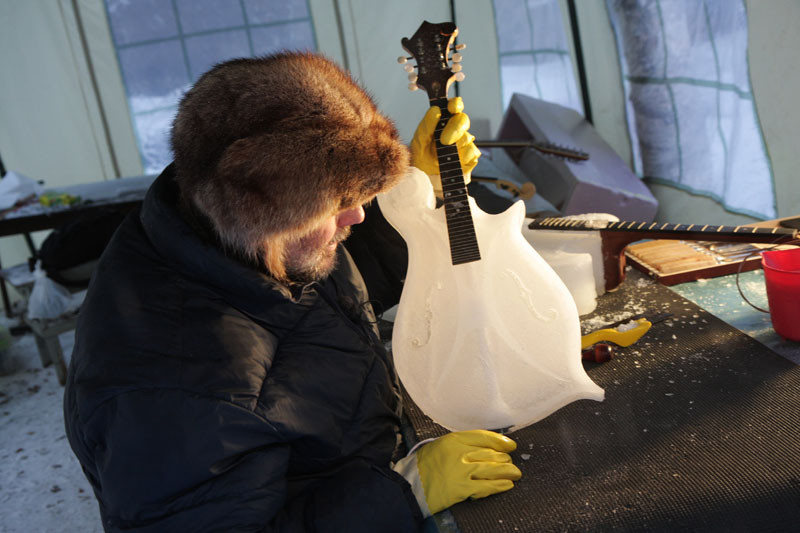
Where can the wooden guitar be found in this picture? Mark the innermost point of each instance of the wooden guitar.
(486, 334)
(615, 236)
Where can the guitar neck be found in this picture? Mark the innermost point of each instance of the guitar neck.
(460, 228)
(660, 230)
(562, 152)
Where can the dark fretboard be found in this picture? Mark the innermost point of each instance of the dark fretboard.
(460, 228)
(702, 231)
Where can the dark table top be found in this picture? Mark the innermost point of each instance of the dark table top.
(700, 430)
(121, 194)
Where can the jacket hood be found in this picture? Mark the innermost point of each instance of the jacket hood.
(179, 245)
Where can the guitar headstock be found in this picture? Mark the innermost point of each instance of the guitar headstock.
(430, 46)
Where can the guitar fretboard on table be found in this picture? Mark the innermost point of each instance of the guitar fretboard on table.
(706, 231)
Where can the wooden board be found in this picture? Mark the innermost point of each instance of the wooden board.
(671, 261)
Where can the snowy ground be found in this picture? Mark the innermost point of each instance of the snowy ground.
(42, 487)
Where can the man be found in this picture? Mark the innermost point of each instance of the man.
(227, 374)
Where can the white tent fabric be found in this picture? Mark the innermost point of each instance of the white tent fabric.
(164, 47)
(690, 109)
(533, 52)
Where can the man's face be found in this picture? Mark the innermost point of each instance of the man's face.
(313, 256)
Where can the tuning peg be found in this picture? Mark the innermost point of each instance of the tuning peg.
(456, 68)
(460, 76)
(412, 77)
(460, 46)
(413, 87)
(408, 67)
(402, 59)
(457, 58)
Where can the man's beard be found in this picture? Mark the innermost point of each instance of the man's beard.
(314, 262)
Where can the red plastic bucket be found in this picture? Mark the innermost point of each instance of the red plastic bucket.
(782, 275)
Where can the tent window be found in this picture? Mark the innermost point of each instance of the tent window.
(690, 109)
(534, 54)
(164, 46)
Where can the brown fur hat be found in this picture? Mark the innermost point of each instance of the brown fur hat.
(267, 148)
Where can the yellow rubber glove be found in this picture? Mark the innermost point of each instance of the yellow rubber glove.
(460, 465)
(423, 147)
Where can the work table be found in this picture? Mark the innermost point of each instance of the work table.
(700, 430)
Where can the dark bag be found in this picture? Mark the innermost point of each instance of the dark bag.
(77, 243)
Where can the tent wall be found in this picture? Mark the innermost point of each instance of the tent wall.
(773, 46)
(52, 126)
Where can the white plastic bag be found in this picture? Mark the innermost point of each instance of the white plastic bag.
(15, 187)
(48, 298)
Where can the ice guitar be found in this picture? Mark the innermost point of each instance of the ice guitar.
(486, 334)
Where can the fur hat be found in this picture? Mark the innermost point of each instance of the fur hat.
(267, 148)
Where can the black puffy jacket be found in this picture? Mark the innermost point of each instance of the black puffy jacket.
(204, 396)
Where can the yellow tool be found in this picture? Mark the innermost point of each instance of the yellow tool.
(628, 334)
